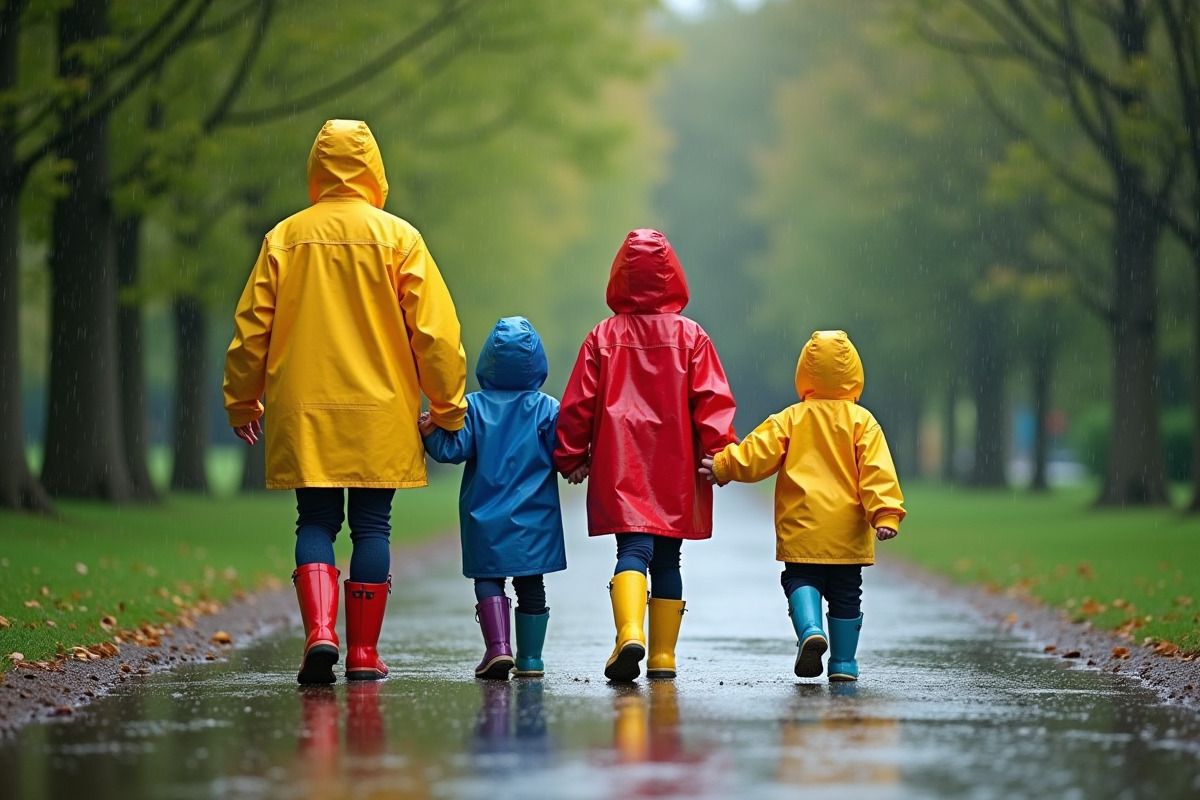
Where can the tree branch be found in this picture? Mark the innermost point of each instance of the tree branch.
(1072, 181)
(237, 80)
(450, 11)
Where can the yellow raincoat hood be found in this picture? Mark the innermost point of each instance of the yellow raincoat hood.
(829, 368)
(345, 163)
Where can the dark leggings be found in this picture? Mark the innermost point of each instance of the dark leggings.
(658, 555)
(530, 589)
(319, 516)
(839, 584)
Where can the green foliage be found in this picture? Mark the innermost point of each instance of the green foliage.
(147, 564)
(1120, 570)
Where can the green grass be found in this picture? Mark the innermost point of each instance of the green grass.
(61, 576)
(1132, 570)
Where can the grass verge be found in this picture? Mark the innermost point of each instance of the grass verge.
(1130, 571)
(97, 571)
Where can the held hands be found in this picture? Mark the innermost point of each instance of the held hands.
(425, 423)
(883, 534)
(706, 469)
(249, 433)
(579, 474)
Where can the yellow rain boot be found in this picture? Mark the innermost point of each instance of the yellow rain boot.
(628, 593)
(665, 617)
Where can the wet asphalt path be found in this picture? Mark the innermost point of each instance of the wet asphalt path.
(946, 707)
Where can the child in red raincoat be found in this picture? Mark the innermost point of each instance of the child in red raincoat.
(647, 400)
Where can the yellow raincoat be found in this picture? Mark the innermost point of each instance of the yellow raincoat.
(344, 323)
(836, 478)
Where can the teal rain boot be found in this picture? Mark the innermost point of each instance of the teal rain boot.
(843, 644)
(804, 607)
(531, 635)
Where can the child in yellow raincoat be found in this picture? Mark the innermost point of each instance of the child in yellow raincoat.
(835, 494)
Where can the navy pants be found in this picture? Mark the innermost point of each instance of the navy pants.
(839, 584)
(657, 555)
(320, 513)
(530, 590)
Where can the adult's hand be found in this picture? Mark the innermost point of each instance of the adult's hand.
(249, 433)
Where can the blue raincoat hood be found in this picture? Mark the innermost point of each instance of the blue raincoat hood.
(513, 357)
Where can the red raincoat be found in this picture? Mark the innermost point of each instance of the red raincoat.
(646, 401)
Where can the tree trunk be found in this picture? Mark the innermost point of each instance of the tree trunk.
(989, 370)
(1043, 361)
(85, 447)
(950, 438)
(1194, 505)
(19, 489)
(132, 360)
(1136, 473)
(190, 429)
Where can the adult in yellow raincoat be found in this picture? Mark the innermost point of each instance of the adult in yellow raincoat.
(836, 486)
(344, 323)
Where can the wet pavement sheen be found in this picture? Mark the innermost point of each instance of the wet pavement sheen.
(946, 707)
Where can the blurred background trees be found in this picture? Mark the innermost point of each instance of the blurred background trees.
(996, 199)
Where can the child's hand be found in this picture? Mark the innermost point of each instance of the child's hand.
(579, 474)
(883, 534)
(706, 469)
(425, 424)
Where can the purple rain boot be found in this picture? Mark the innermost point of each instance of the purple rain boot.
(492, 614)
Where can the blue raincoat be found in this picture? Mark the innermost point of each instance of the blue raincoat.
(508, 507)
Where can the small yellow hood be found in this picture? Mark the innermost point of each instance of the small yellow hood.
(829, 368)
(345, 163)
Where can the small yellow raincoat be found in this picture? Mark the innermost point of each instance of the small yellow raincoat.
(344, 323)
(836, 478)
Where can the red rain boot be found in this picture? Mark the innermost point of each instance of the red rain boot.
(492, 613)
(365, 604)
(316, 590)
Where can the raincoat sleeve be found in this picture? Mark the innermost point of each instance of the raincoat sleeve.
(246, 358)
(451, 447)
(758, 456)
(711, 400)
(878, 485)
(577, 413)
(434, 336)
(548, 426)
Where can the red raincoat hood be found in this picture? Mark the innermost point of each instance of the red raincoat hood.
(646, 276)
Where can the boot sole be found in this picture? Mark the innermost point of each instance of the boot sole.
(317, 666)
(496, 669)
(808, 660)
(627, 665)
(660, 673)
(366, 675)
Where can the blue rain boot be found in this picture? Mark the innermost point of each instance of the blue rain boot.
(804, 607)
(843, 644)
(531, 635)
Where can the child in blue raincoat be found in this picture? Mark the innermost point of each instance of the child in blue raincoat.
(509, 514)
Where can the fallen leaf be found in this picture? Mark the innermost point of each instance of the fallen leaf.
(16, 658)
(1120, 652)
(1166, 649)
(1072, 654)
(221, 637)
(1050, 648)
(32, 604)
(81, 568)
(108, 622)
(4, 623)
(1011, 619)
(1085, 571)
